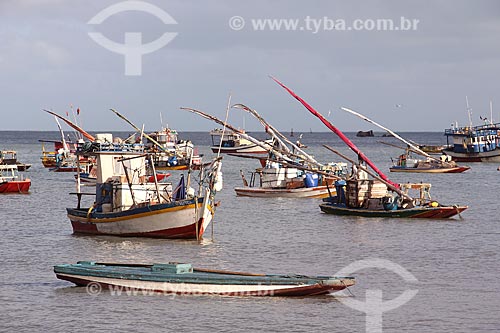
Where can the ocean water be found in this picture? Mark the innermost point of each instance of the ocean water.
(456, 262)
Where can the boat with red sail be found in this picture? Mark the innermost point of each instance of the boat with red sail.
(379, 196)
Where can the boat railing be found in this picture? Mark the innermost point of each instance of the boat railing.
(94, 147)
(423, 189)
(476, 130)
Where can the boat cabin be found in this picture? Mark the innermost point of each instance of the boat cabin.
(122, 178)
(229, 138)
(8, 157)
(166, 137)
(476, 139)
(8, 172)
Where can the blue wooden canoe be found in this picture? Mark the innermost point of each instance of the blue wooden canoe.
(183, 279)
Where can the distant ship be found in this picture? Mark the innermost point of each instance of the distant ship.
(474, 144)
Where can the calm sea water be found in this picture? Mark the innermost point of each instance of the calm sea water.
(456, 262)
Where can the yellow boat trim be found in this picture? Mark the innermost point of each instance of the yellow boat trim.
(129, 217)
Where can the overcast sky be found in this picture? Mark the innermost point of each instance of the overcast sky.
(48, 60)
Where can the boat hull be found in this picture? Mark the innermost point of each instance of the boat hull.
(129, 280)
(429, 170)
(173, 220)
(442, 212)
(23, 166)
(246, 149)
(492, 156)
(306, 192)
(176, 167)
(21, 186)
(63, 169)
(433, 149)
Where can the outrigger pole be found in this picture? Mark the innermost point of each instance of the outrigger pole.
(70, 123)
(276, 132)
(415, 148)
(339, 134)
(138, 129)
(267, 147)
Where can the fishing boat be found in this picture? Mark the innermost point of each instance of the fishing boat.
(292, 173)
(49, 156)
(407, 163)
(283, 180)
(433, 149)
(63, 158)
(183, 279)
(167, 151)
(372, 198)
(11, 181)
(286, 172)
(9, 157)
(232, 142)
(127, 202)
(379, 196)
(474, 143)
(170, 153)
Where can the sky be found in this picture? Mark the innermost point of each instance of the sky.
(407, 80)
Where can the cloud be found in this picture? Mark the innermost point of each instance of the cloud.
(46, 44)
(54, 55)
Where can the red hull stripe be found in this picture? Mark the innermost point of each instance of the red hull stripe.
(185, 232)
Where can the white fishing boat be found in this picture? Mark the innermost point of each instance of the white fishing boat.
(128, 202)
(277, 180)
(231, 142)
(171, 153)
(407, 163)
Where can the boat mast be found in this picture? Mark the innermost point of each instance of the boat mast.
(225, 124)
(339, 134)
(150, 159)
(65, 145)
(491, 112)
(469, 111)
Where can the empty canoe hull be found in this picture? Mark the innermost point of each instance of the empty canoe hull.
(134, 279)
